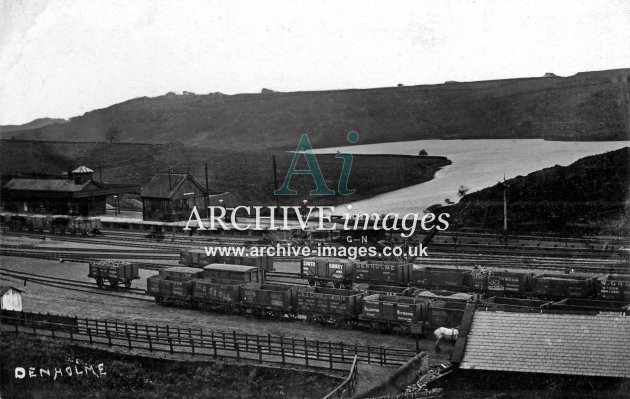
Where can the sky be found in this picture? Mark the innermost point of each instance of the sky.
(62, 58)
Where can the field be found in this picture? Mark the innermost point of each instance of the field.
(127, 376)
(248, 176)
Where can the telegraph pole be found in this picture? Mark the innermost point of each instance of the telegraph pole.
(505, 226)
(206, 197)
(275, 181)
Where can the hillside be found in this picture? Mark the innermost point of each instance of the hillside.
(248, 176)
(586, 106)
(35, 124)
(590, 195)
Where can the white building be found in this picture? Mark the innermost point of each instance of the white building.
(11, 298)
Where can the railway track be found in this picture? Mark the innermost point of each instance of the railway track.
(74, 285)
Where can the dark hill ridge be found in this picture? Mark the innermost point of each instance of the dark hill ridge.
(247, 176)
(34, 124)
(586, 106)
(590, 195)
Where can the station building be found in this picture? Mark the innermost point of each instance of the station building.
(170, 197)
(76, 195)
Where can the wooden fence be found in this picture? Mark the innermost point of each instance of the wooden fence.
(197, 343)
(346, 388)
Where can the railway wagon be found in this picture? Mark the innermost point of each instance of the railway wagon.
(614, 287)
(199, 258)
(217, 296)
(513, 304)
(591, 305)
(195, 258)
(392, 290)
(52, 224)
(329, 304)
(444, 313)
(261, 262)
(114, 272)
(564, 286)
(382, 272)
(173, 285)
(322, 271)
(385, 312)
(513, 282)
(220, 272)
(267, 299)
(440, 277)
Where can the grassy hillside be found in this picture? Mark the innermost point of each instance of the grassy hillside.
(35, 124)
(590, 195)
(587, 106)
(139, 377)
(248, 176)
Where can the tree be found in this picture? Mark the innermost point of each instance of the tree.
(423, 153)
(113, 134)
(462, 191)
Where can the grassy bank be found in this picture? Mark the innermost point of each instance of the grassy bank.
(138, 377)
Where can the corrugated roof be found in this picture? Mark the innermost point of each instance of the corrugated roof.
(57, 185)
(549, 343)
(83, 169)
(231, 268)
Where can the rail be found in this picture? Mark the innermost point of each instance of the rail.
(197, 343)
(346, 388)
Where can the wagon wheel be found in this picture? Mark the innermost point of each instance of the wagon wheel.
(347, 285)
(336, 284)
(322, 283)
(353, 323)
(311, 282)
(113, 283)
(127, 283)
(99, 282)
(159, 300)
(292, 315)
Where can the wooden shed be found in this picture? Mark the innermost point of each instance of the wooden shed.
(11, 298)
(171, 197)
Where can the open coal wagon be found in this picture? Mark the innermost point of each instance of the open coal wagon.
(113, 272)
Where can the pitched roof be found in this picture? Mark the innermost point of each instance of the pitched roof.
(83, 169)
(5, 288)
(161, 187)
(569, 344)
(57, 185)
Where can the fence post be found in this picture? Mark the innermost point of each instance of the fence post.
(238, 354)
(150, 344)
(269, 340)
(341, 348)
(214, 348)
(109, 338)
(90, 335)
(192, 346)
(52, 332)
(136, 328)
(246, 342)
(330, 359)
(259, 354)
(223, 338)
(282, 352)
(157, 333)
(368, 353)
(317, 348)
(384, 357)
(170, 344)
(129, 339)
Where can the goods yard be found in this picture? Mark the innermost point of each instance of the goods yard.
(385, 308)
